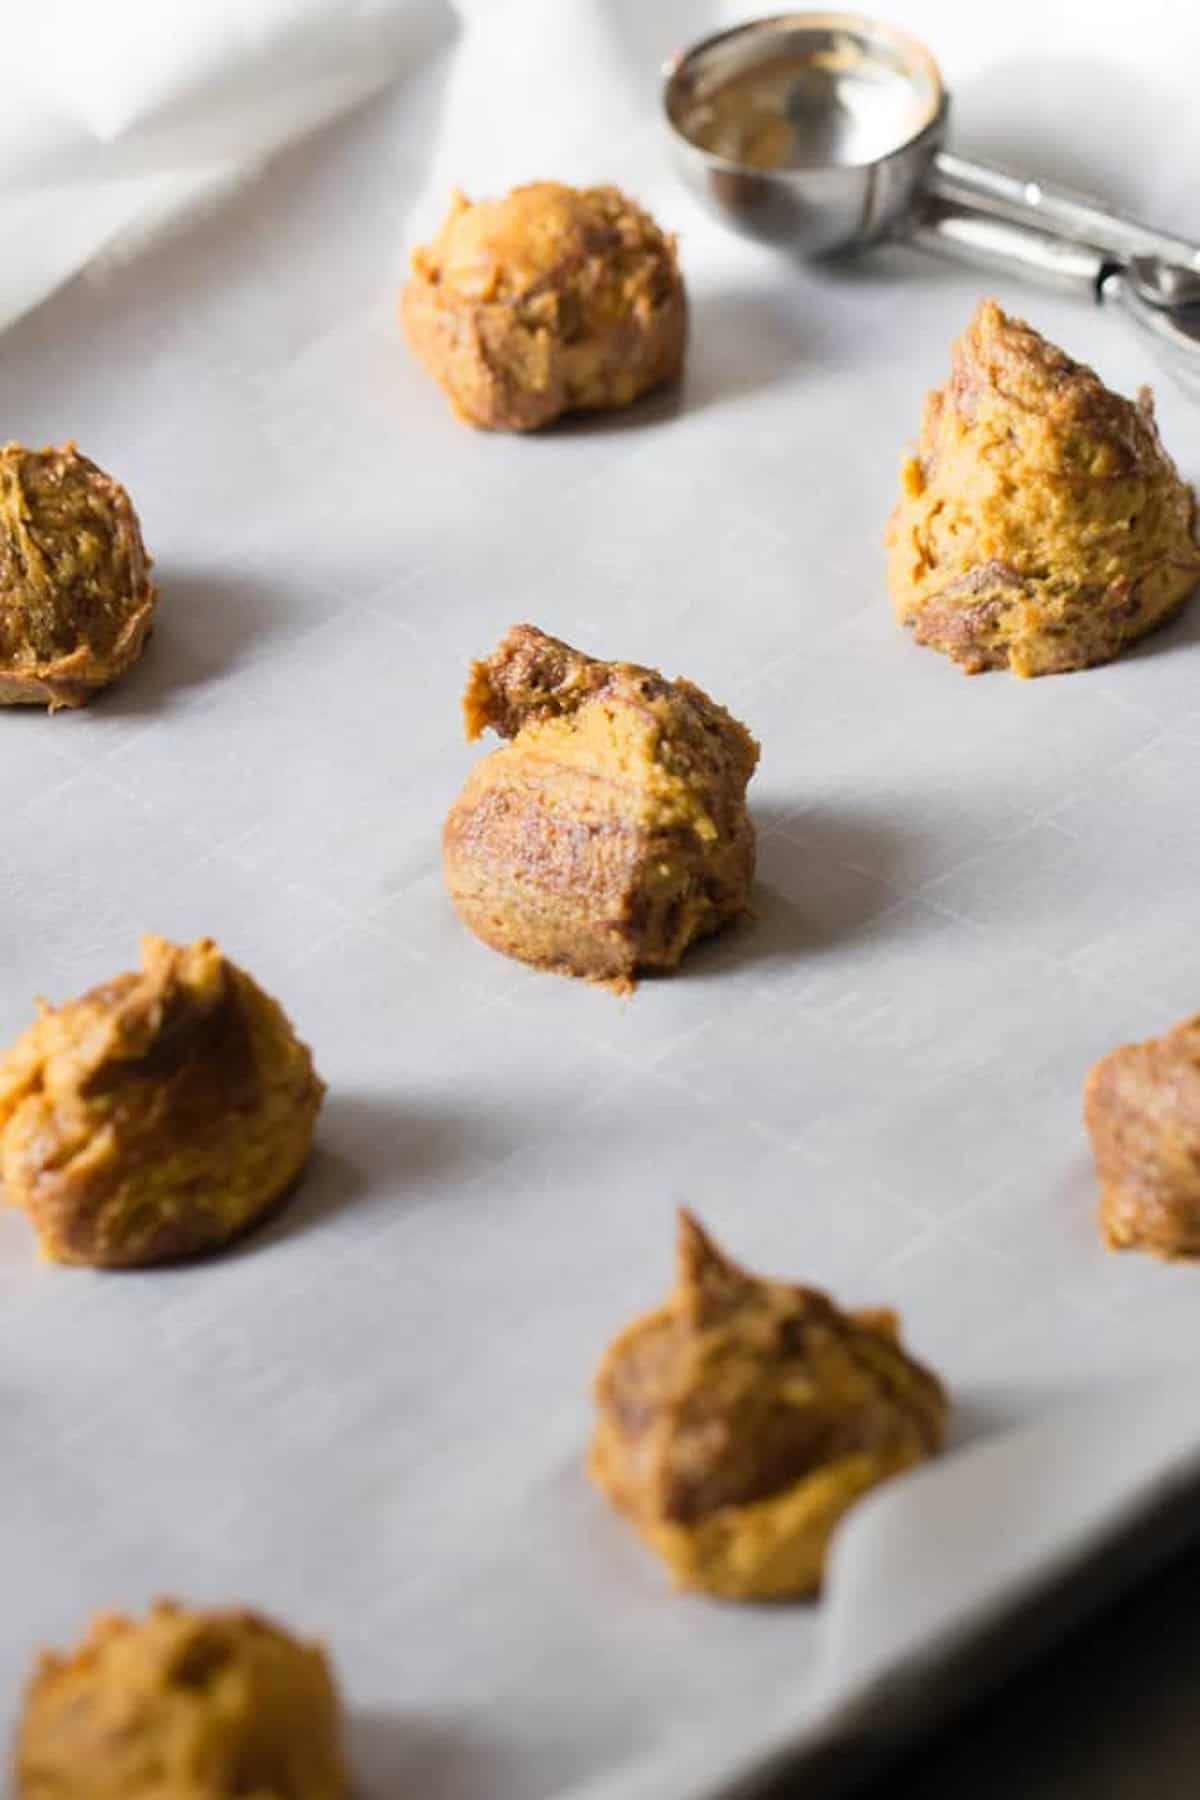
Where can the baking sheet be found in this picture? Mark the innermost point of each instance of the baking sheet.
(370, 1418)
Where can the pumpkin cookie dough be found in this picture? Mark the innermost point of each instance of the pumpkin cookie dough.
(1142, 1108)
(612, 831)
(76, 599)
(552, 300)
(181, 1705)
(1041, 525)
(158, 1116)
(740, 1421)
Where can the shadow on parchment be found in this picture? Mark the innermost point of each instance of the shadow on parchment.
(824, 879)
(392, 1754)
(740, 341)
(206, 623)
(377, 1149)
(454, 1757)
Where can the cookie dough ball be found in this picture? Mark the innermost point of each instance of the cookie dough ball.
(740, 1421)
(158, 1116)
(612, 831)
(552, 300)
(76, 599)
(1041, 526)
(182, 1705)
(1142, 1108)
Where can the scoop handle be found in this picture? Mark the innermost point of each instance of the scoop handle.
(993, 242)
(1048, 206)
(989, 241)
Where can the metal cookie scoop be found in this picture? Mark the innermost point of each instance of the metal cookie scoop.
(821, 132)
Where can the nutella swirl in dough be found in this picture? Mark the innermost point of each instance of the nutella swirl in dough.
(552, 300)
(158, 1116)
(76, 599)
(612, 831)
(1041, 526)
(740, 1421)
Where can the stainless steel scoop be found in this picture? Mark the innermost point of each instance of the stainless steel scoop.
(821, 132)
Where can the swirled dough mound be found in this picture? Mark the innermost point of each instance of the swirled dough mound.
(740, 1421)
(1041, 525)
(552, 300)
(182, 1705)
(76, 599)
(612, 831)
(158, 1116)
(1142, 1107)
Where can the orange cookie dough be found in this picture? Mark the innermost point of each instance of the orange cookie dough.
(740, 1421)
(182, 1705)
(158, 1116)
(1142, 1108)
(76, 599)
(553, 300)
(612, 831)
(1041, 526)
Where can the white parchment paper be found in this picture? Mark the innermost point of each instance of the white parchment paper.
(370, 1418)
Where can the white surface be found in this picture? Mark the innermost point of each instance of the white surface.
(371, 1418)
